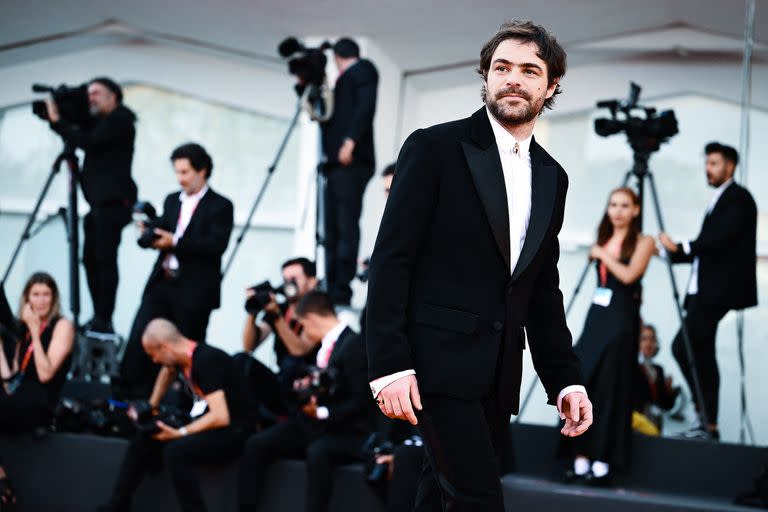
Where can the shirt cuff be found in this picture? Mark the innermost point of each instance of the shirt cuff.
(378, 384)
(322, 413)
(175, 239)
(686, 247)
(566, 390)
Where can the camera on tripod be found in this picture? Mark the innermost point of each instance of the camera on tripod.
(644, 134)
(262, 295)
(308, 66)
(322, 384)
(145, 213)
(72, 102)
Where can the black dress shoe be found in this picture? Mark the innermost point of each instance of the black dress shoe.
(700, 433)
(599, 481)
(98, 325)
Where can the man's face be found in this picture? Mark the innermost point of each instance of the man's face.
(101, 101)
(516, 86)
(312, 327)
(387, 184)
(304, 283)
(159, 353)
(648, 343)
(191, 180)
(719, 170)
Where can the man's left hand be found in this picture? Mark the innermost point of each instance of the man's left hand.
(53, 110)
(166, 433)
(310, 409)
(165, 241)
(577, 410)
(345, 152)
(668, 243)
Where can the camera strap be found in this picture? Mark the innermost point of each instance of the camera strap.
(188, 372)
(30, 348)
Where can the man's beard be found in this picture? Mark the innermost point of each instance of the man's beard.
(514, 114)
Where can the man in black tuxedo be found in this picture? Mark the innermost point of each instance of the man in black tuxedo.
(184, 285)
(723, 276)
(107, 186)
(331, 428)
(465, 262)
(348, 146)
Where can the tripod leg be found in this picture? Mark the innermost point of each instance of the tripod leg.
(683, 327)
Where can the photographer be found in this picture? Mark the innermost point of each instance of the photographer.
(723, 277)
(347, 140)
(107, 186)
(184, 285)
(334, 420)
(216, 435)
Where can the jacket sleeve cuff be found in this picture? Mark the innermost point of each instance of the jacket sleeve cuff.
(686, 247)
(378, 384)
(567, 390)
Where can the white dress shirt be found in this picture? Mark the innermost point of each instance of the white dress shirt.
(324, 355)
(188, 206)
(693, 285)
(516, 168)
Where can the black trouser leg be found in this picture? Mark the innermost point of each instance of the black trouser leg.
(409, 463)
(462, 440)
(346, 186)
(284, 440)
(192, 323)
(181, 455)
(137, 371)
(142, 453)
(323, 456)
(103, 228)
(701, 321)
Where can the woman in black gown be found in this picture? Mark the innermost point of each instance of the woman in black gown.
(34, 359)
(608, 344)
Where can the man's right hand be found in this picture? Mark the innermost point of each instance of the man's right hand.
(399, 399)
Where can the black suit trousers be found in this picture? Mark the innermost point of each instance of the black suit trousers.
(297, 438)
(344, 191)
(137, 371)
(103, 227)
(179, 457)
(701, 320)
(465, 441)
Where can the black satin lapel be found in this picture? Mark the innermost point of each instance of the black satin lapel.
(544, 189)
(485, 167)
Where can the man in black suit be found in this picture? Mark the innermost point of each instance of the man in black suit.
(723, 277)
(348, 146)
(465, 262)
(107, 186)
(331, 428)
(184, 285)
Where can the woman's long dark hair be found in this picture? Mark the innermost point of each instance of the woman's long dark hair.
(605, 230)
(47, 280)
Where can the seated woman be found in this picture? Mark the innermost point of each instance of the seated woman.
(34, 361)
(608, 344)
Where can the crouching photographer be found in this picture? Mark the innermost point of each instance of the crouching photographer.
(335, 417)
(215, 434)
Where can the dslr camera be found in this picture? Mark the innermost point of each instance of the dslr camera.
(144, 212)
(146, 418)
(262, 295)
(322, 384)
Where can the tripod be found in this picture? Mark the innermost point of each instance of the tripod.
(263, 188)
(67, 156)
(642, 152)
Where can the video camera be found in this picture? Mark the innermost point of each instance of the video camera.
(144, 212)
(644, 134)
(308, 66)
(262, 295)
(72, 102)
(322, 384)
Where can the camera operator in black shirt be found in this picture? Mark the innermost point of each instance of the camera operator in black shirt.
(213, 436)
(348, 146)
(335, 416)
(107, 186)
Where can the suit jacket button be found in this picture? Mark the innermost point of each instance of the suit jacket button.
(497, 326)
